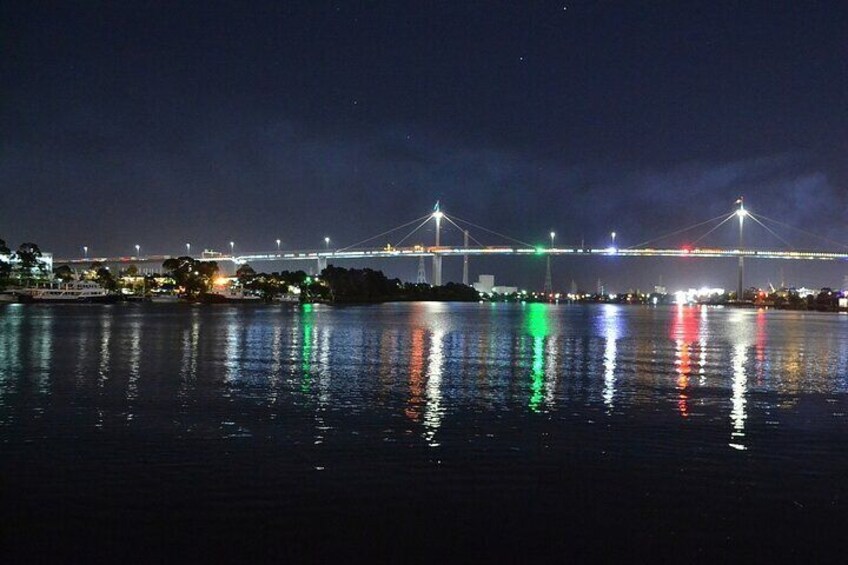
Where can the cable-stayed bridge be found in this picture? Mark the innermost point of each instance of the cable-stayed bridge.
(509, 246)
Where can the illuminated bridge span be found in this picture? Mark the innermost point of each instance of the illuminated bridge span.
(516, 247)
(375, 253)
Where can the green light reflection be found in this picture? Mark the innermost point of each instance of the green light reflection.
(537, 325)
(307, 322)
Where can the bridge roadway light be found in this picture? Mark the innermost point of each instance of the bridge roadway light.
(327, 243)
(137, 250)
(85, 251)
(278, 245)
(232, 247)
(553, 235)
(613, 238)
(188, 249)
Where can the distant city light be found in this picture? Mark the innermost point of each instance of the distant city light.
(693, 295)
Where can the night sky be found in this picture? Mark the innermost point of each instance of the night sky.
(161, 123)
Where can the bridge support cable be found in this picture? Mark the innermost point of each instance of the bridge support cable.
(522, 243)
(771, 231)
(464, 231)
(677, 232)
(418, 227)
(724, 221)
(805, 232)
(357, 244)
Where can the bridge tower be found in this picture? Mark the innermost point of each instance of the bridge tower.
(465, 261)
(740, 271)
(437, 258)
(422, 272)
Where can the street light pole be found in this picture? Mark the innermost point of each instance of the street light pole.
(278, 246)
(85, 251)
(613, 238)
(232, 248)
(188, 249)
(137, 250)
(327, 243)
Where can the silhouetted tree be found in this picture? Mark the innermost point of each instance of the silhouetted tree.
(195, 277)
(245, 273)
(63, 273)
(5, 263)
(29, 267)
(106, 279)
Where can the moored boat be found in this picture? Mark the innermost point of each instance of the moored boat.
(231, 295)
(8, 296)
(76, 292)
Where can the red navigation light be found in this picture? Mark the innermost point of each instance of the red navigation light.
(687, 248)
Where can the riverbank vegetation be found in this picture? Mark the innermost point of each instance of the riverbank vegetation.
(22, 266)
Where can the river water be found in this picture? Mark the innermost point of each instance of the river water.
(411, 432)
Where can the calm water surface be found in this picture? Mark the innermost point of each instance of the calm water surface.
(410, 431)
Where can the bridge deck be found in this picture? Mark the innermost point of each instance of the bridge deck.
(474, 251)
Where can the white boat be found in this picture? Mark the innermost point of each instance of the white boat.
(231, 294)
(73, 292)
(8, 296)
(288, 298)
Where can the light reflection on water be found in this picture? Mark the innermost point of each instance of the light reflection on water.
(432, 365)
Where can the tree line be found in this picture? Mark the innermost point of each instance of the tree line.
(193, 279)
(22, 265)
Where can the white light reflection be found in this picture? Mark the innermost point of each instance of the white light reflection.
(551, 364)
(10, 362)
(188, 368)
(611, 322)
(232, 350)
(433, 407)
(135, 362)
(43, 351)
(276, 363)
(322, 349)
(738, 413)
(105, 352)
